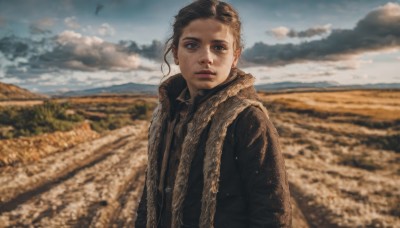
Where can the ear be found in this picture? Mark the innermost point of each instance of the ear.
(236, 56)
(175, 54)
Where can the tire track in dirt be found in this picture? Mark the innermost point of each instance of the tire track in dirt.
(74, 198)
(121, 208)
(66, 174)
(16, 181)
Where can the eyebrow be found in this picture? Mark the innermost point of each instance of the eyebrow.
(198, 40)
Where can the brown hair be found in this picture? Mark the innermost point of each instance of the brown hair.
(203, 9)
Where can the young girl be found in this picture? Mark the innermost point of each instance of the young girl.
(214, 158)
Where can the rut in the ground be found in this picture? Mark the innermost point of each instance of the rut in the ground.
(97, 184)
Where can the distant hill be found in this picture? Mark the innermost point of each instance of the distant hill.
(136, 88)
(13, 92)
(322, 85)
(128, 88)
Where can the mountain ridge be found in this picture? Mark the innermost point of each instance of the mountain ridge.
(13, 92)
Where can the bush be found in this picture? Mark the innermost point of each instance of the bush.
(141, 111)
(28, 121)
(111, 122)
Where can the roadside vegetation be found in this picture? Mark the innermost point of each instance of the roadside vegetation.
(52, 116)
(29, 121)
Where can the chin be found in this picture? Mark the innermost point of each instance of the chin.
(206, 85)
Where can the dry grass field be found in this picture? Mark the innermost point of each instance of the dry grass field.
(341, 148)
(342, 154)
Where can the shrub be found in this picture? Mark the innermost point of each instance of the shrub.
(110, 122)
(141, 110)
(47, 117)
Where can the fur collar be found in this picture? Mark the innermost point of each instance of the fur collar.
(229, 98)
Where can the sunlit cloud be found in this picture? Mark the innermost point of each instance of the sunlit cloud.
(106, 30)
(279, 32)
(72, 23)
(284, 32)
(88, 53)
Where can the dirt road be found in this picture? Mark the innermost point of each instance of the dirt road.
(96, 184)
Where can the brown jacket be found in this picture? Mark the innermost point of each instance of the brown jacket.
(231, 172)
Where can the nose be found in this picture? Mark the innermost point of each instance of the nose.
(206, 56)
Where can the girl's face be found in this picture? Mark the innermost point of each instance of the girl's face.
(205, 54)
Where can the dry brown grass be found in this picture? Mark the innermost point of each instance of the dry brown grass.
(375, 104)
(31, 149)
(342, 154)
(21, 103)
(107, 99)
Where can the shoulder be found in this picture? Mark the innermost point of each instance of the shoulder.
(253, 113)
(252, 121)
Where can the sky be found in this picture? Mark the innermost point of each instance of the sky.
(63, 45)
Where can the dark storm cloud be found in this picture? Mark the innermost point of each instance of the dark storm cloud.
(13, 47)
(378, 30)
(315, 31)
(152, 51)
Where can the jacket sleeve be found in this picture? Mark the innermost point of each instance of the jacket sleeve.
(262, 169)
(141, 217)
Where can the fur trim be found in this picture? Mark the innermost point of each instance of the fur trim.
(152, 175)
(225, 115)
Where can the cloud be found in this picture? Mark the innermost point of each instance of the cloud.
(305, 75)
(42, 26)
(378, 30)
(106, 30)
(13, 47)
(72, 23)
(279, 32)
(283, 32)
(74, 51)
(152, 51)
(351, 64)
